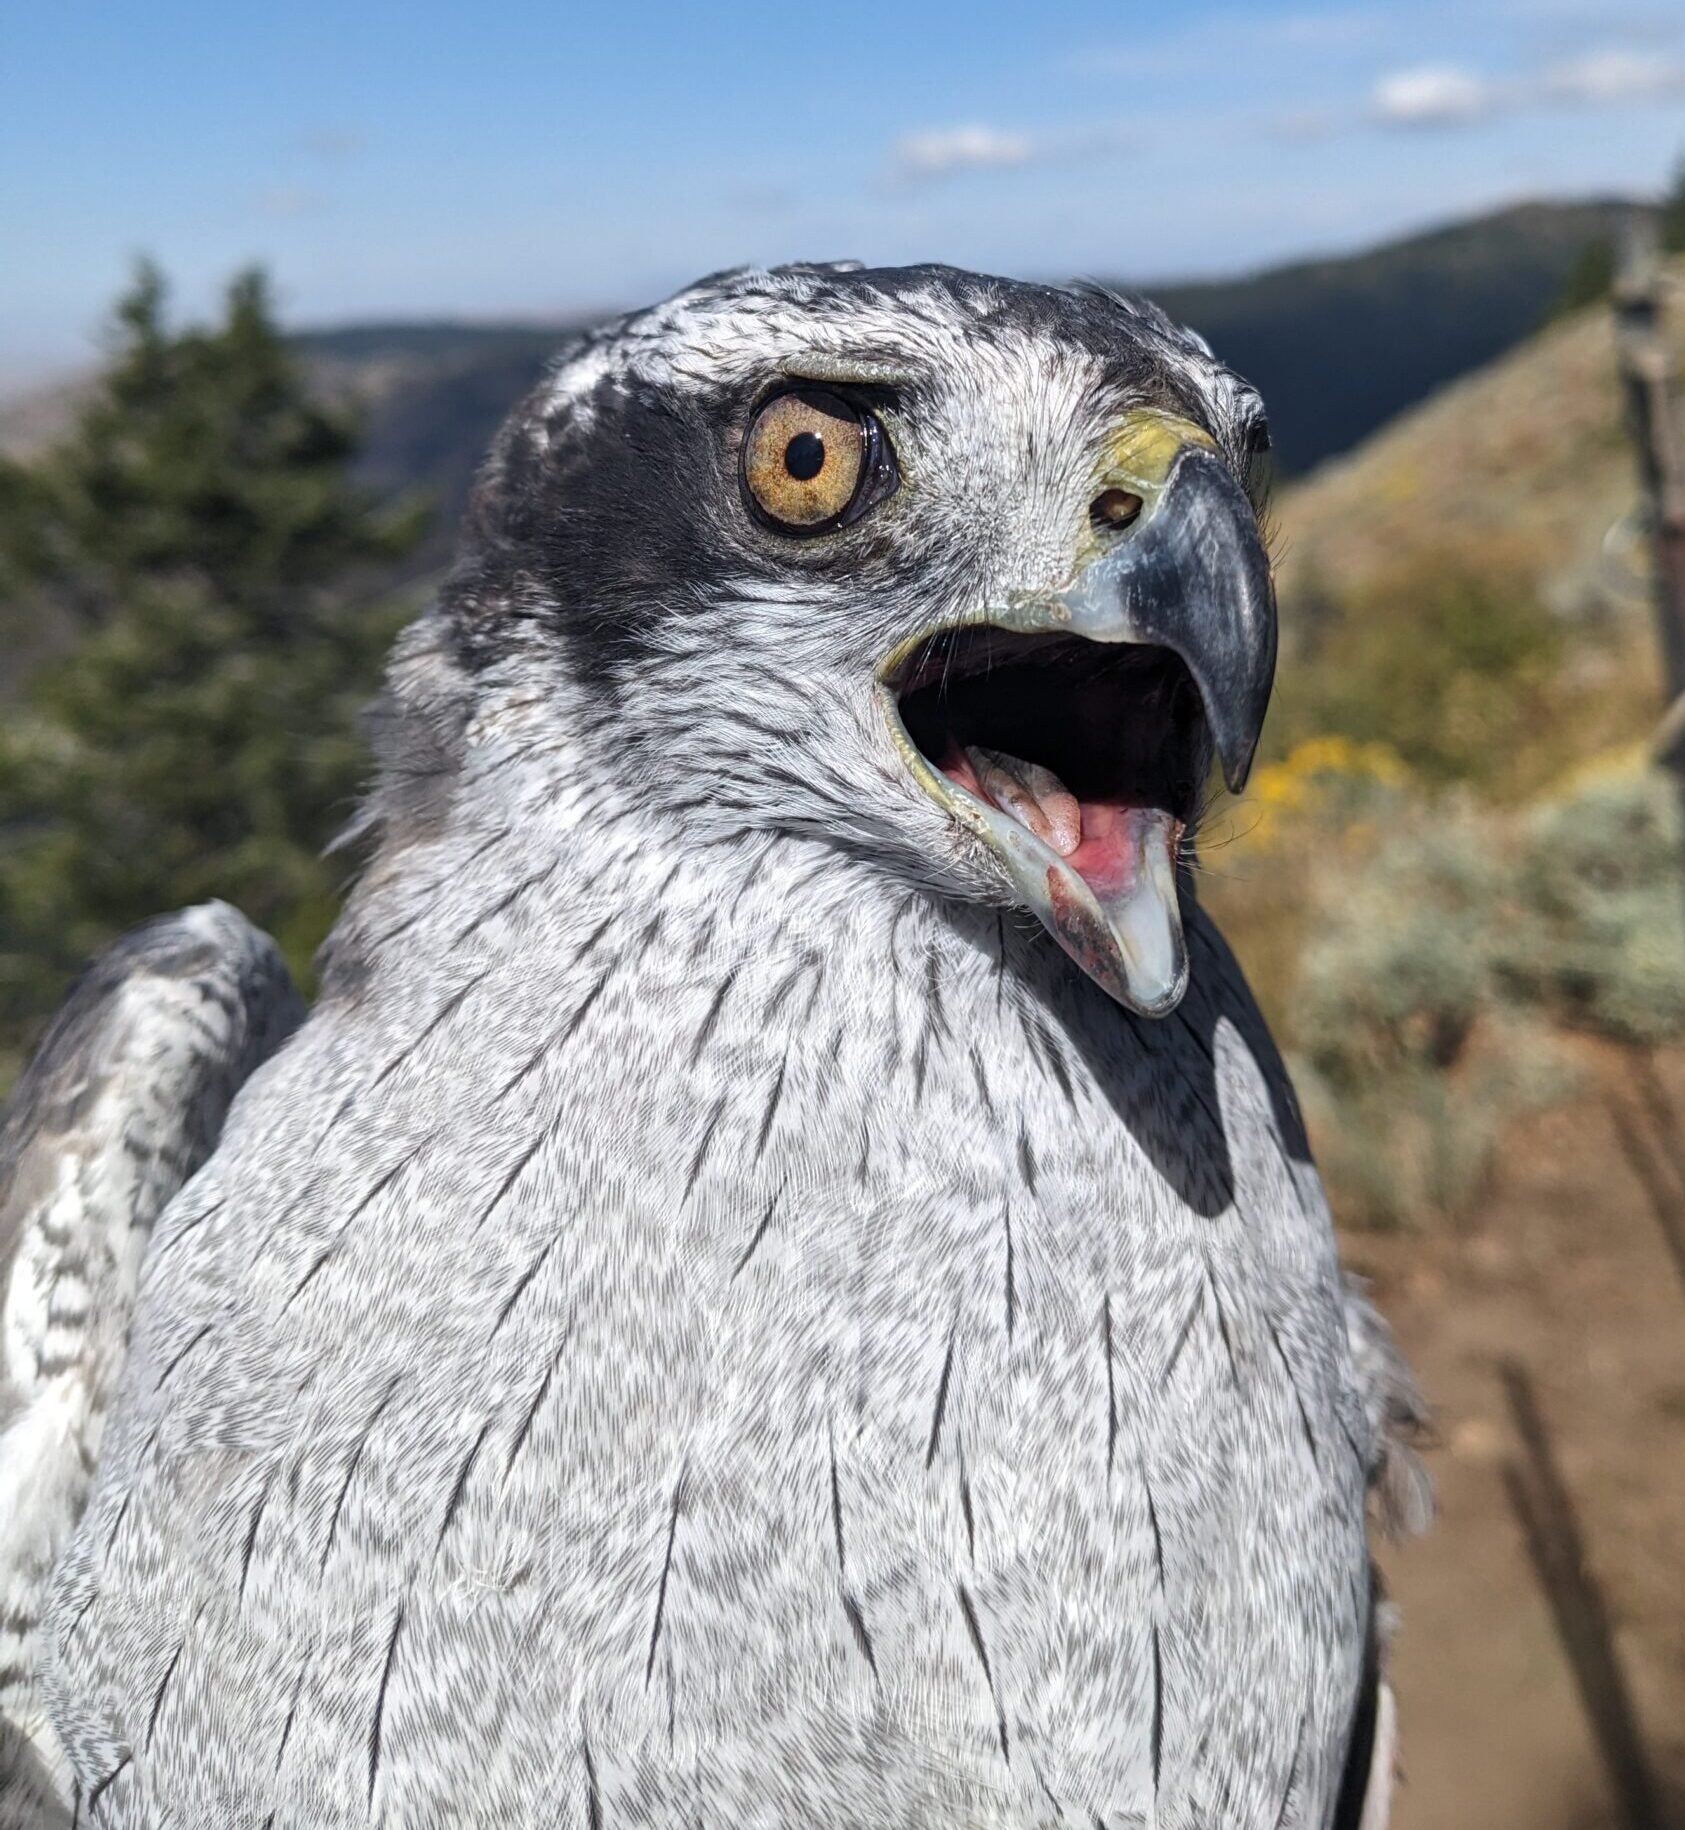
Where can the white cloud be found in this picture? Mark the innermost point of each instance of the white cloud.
(1433, 95)
(1449, 95)
(942, 152)
(1605, 78)
(936, 152)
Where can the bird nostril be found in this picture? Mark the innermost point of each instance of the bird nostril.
(1114, 508)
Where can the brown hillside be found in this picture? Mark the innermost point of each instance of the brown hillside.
(1524, 464)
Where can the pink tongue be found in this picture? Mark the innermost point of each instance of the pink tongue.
(1106, 858)
(1100, 840)
(1108, 893)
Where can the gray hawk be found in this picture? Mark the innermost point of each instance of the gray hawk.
(781, 1280)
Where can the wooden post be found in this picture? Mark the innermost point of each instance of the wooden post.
(1653, 408)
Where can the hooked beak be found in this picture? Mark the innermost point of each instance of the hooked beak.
(1072, 731)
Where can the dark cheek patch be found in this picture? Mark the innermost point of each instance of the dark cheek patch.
(614, 514)
(628, 512)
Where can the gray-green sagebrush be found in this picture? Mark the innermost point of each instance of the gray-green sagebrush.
(717, 1316)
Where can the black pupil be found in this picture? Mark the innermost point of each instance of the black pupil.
(804, 456)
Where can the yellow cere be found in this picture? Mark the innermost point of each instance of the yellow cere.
(1145, 446)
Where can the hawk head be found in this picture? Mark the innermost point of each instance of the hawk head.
(959, 575)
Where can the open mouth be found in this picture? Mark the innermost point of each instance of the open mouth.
(1069, 737)
(1081, 763)
(1072, 733)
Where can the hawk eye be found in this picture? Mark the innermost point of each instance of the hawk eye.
(811, 461)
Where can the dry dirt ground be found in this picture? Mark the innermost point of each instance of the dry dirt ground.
(1568, 1273)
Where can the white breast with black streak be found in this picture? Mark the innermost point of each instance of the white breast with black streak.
(782, 1281)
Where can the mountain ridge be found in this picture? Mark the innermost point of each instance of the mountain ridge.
(1338, 344)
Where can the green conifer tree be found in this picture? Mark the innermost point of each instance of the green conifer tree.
(208, 576)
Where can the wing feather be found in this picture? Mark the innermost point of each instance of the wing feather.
(121, 1104)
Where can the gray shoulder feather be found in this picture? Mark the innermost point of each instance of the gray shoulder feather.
(121, 1104)
(1397, 1416)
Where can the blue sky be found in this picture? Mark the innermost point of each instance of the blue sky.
(519, 159)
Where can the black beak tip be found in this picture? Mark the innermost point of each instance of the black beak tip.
(1237, 772)
(1224, 622)
(1235, 713)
